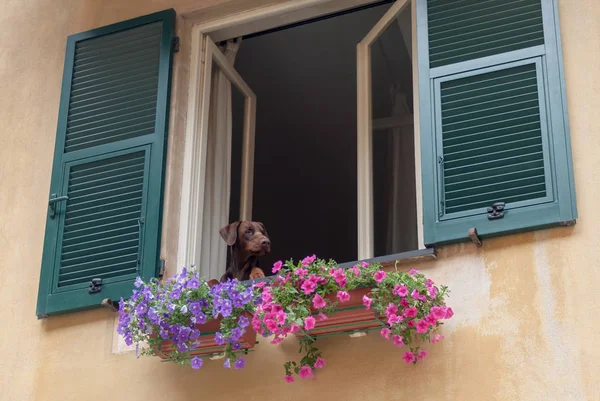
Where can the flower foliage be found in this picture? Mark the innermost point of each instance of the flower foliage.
(409, 306)
(170, 311)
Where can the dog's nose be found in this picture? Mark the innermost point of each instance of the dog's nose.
(265, 242)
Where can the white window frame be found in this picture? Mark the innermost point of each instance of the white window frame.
(229, 25)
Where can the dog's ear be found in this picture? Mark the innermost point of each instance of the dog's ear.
(262, 226)
(230, 233)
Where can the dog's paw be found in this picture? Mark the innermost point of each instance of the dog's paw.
(256, 273)
(212, 282)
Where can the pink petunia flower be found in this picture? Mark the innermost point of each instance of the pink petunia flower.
(438, 312)
(385, 333)
(393, 319)
(410, 323)
(364, 265)
(343, 296)
(400, 290)
(397, 340)
(415, 295)
(404, 303)
(318, 302)
(422, 354)
(449, 313)
(410, 312)
(308, 287)
(280, 317)
(277, 340)
(271, 324)
(413, 271)
(391, 309)
(294, 328)
(319, 363)
(305, 372)
(355, 270)
(301, 272)
(380, 276)
(289, 379)
(309, 323)
(432, 292)
(422, 326)
(322, 317)
(431, 319)
(308, 260)
(367, 301)
(409, 357)
(437, 338)
(277, 266)
(340, 277)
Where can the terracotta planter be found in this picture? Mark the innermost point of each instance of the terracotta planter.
(208, 346)
(350, 317)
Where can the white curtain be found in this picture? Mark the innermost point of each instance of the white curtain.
(213, 250)
(400, 196)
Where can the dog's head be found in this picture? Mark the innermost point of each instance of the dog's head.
(248, 236)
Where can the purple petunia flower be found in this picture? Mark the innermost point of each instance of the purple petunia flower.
(176, 293)
(138, 282)
(227, 364)
(219, 339)
(193, 284)
(196, 362)
(236, 333)
(239, 363)
(236, 346)
(243, 322)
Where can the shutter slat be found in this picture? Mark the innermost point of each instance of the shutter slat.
(117, 69)
(116, 270)
(491, 139)
(462, 31)
(100, 249)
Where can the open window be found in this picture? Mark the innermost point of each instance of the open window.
(334, 170)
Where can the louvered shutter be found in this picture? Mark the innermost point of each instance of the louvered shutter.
(104, 213)
(493, 120)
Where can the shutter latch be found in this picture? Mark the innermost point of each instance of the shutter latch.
(53, 200)
(496, 211)
(175, 44)
(95, 286)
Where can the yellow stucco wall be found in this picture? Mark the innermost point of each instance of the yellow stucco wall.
(526, 325)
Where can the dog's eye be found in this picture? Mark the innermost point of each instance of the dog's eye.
(249, 231)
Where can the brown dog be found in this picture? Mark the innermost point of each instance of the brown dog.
(246, 240)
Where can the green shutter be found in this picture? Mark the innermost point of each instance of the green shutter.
(109, 162)
(493, 117)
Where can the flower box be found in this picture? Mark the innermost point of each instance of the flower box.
(208, 346)
(350, 317)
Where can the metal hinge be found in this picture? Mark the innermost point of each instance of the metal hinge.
(161, 268)
(95, 286)
(175, 44)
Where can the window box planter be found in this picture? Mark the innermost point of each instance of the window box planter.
(353, 316)
(208, 346)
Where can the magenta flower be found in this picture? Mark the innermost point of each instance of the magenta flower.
(415, 295)
(319, 363)
(289, 378)
(404, 303)
(294, 328)
(308, 260)
(340, 277)
(413, 272)
(308, 287)
(280, 317)
(322, 317)
(301, 272)
(422, 326)
(365, 265)
(409, 357)
(367, 302)
(380, 276)
(318, 302)
(449, 313)
(355, 270)
(309, 323)
(400, 290)
(422, 354)
(438, 312)
(391, 309)
(305, 372)
(431, 319)
(343, 296)
(437, 338)
(410, 312)
(385, 333)
(393, 319)
(397, 340)
(277, 266)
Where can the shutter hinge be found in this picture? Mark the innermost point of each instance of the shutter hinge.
(108, 303)
(161, 268)
(175, 44)
(95, 286)
(474, 235)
